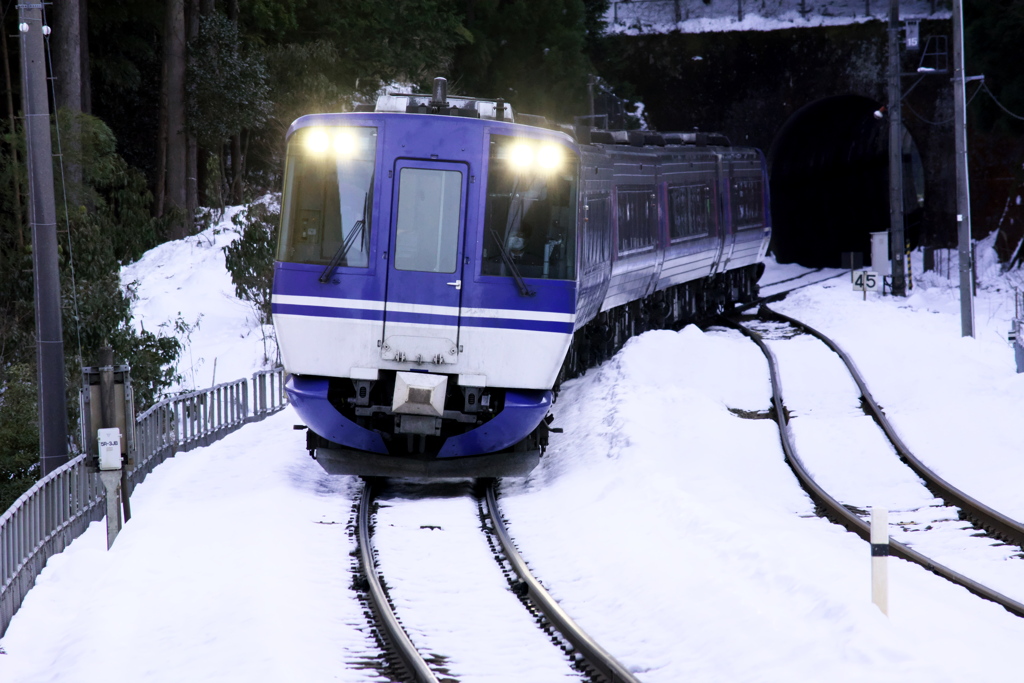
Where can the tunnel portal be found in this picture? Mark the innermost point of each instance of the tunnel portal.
(830, 181)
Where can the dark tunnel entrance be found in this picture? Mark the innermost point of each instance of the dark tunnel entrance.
(830, 182)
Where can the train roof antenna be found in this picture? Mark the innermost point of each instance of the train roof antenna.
(440, 92)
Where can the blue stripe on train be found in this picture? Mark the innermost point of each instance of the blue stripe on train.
(328, 312)
(424, 318)
(512, 324)
(550, 296)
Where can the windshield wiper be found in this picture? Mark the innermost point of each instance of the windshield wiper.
(357, 229)
(515, 206)
(507, 258)
(342, 250)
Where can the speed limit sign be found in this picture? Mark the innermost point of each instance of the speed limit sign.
(866, 281)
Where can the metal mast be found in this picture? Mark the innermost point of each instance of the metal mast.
(963, 199)
(897, 240)
(53, 421)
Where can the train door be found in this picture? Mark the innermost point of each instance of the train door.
(721, 214)
(731, 167)
(424, 290)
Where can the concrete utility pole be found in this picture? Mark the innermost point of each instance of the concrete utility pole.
(897, 240)
(963, 198)
(53, 419)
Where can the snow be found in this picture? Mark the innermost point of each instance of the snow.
(663, 519)
(184, 283)
(700, 16)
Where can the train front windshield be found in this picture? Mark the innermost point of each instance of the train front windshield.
(530, 220)
(328, 194)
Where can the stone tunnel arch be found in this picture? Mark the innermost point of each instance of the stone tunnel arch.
(829, 170)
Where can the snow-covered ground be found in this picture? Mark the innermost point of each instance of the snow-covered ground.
(635, 17)
(667, 525)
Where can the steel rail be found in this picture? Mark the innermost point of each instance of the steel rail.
(993, 521)
(596, 657)
(791, 279)
(779, 296)
(837, 512)
(393, 633)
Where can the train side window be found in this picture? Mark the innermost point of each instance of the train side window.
(747, 203)
(530, 216)
(690, 211)
(328, 196)
(637, 217)
(595, 234)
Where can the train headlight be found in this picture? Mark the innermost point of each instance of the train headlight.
(346, 144)
(317, 141)
(549, 158)
(527, 157)
(520, 156)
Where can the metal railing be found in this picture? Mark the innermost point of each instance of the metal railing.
(59, 507)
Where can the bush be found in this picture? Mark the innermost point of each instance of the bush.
(19, 433)
(250, 258)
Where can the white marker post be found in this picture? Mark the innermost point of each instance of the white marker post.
(879, 557)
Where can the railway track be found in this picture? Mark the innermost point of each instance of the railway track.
(406, 662)
(586, 654)
(778, 289)
(768, 323)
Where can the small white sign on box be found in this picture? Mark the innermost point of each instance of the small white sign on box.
(110, 448)
(866, 281)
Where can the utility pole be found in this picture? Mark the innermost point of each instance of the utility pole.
(963, 198)
(53, 419)
(897, 239)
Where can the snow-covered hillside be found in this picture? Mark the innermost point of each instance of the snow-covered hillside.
(184, 290)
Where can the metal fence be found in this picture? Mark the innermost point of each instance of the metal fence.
(59, 507)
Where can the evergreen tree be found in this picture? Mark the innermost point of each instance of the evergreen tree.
(111, 225)
(532, 53)
(228, 93)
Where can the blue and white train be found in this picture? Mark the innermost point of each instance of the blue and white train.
(442, 266)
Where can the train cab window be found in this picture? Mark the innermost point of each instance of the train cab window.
(429, 202)
(690, 211)
(328, 196)
(637, 217)
(530, 216)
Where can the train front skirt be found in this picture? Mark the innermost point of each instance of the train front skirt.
(494, 449)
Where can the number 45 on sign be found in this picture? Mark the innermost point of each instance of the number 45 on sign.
(866, 281)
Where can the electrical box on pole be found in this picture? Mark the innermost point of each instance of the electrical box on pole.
(53, 419)
(880, 253)
(109, 441)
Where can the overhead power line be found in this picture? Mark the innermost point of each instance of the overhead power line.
(984, 86)
(943, 122)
